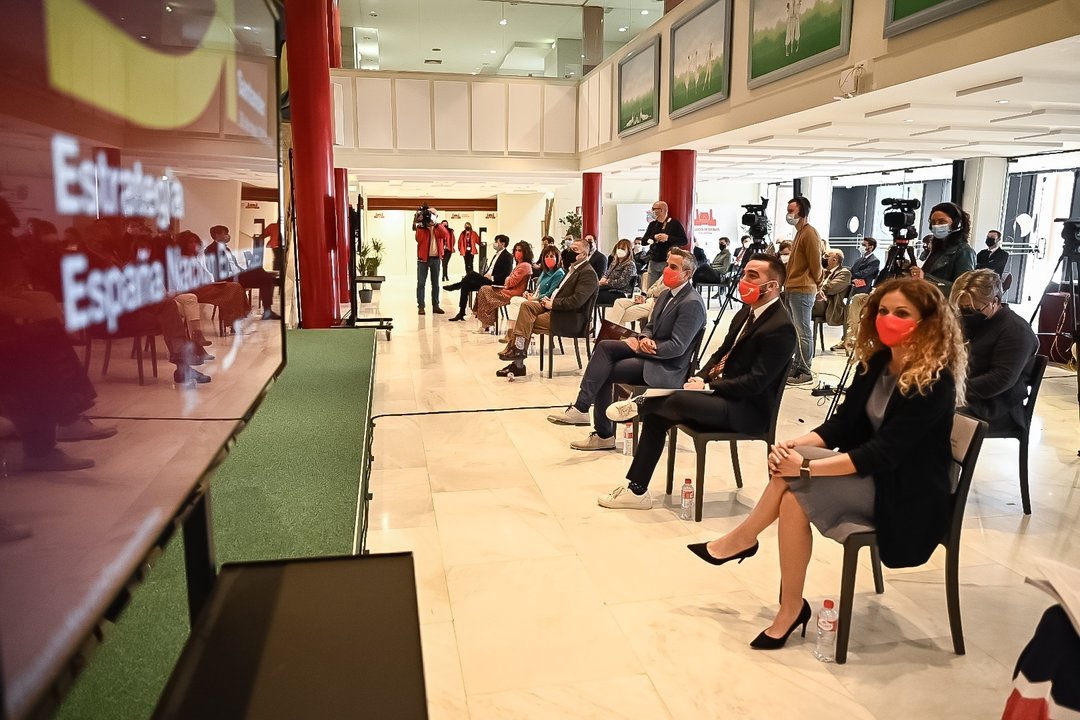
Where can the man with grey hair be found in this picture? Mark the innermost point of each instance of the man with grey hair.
(663, 233)
(658, 357)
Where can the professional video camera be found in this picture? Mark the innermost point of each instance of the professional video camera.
(425, 216)
(1070, 233)
(757, 225)
(900, 219)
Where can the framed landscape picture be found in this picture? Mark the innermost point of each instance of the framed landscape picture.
(904, 15)
(639, 88)
(700, 58)
(789, 36)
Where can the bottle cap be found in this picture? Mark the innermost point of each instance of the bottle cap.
(688, 482)
(828, 604)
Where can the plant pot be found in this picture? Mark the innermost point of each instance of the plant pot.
(371, 268)
(366, 294)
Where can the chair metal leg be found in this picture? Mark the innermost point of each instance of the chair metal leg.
(562, 350)
(153, 354)
(735, 462)
(588, 347)
(847, 597)
(1025, 493)
(672, 439)
(138, 358)
(700, 449)
(875, 563)
(952, 597)
(551, 353)
(577, 353)
(86, 357)
(541, 353)
(108, 354)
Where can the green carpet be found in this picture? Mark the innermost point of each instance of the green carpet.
(288, 489)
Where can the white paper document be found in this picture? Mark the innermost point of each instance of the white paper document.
(1060, 582)
(664, 392)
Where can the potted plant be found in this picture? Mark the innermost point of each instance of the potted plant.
(572, 222)
(367, 265)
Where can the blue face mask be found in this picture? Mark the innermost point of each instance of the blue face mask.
(941, 231)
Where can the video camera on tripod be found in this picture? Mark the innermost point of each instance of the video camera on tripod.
(757, 224)
(900, 220)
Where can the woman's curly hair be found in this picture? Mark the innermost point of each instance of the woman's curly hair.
(937, 343)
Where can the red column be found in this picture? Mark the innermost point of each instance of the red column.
(313, 164)
(333, 32)
(341, 214)
(590, 204)
(678, 169)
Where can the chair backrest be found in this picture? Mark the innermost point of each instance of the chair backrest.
(775, 410)
(695, 348)
(1034, 382)
(1006, 281)
(966, 439)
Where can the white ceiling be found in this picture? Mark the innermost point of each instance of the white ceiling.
(469, 36)
(1015, 105)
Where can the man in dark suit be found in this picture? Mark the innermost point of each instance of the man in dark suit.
(658, 357)
(560, 313)
(994, 257)
(735, 388)
(501, 265)
(223, 266)
(597, 259)
(865, 268)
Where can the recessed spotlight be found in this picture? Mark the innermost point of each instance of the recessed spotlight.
(436, 49)
(373, 14)
(909, 120)
(1003, 102)
(644, 12)
(622, 29)
(491, 51)
(503, 21)
(583, 55)
(247, 27)
(168, 8)
(142, 37)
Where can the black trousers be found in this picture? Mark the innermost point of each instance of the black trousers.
(468, 263)
(703, 411)
(709, 275)
(612, 362)
(263, 281)
(607, 296)
(472, 282)
(446, 264)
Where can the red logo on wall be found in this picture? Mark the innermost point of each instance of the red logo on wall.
(705, 218)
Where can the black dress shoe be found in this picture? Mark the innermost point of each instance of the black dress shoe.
(702, 551)
(438, 310)
(453, 287)
(457, 318)
(768, 642)
(270, 315)
(188, 375)
(511, 369)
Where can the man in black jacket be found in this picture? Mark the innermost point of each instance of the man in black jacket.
(561, 312)
(597, 259)
(501, 265)
(223, 265)
(1001, 349)
(865, 268)
(663, 233)
(735, 390)
(994, 257)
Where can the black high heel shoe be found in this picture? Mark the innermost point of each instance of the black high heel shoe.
(702, 551)
(767, 642)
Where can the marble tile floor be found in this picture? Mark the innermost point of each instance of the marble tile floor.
(537, 603)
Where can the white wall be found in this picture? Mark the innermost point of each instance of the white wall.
(250, 211)
(522, 217)
(211, 202)
(393, 229)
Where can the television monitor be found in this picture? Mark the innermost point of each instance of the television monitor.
(129, 353)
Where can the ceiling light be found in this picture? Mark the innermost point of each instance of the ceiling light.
(909, 120)
(143, 37)
(583, 55)
(247, 27)
(432, 49)
(503, 21)
(168, 8)
(622, 29)
(644, 12)
(491, 51)
(1003, 102)
(373, 14)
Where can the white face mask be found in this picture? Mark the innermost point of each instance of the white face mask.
(651, 215)
(791, 219)
(784, 259)
(940, 231)
(620, 254)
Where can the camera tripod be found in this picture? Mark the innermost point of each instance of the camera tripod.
(757, 245)
(894, 260)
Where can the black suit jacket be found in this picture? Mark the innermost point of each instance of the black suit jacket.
(504, 265)
(995, 260)
(909, 457)
(755, 369)
(598, 260)
(865, 267)
(576, 290)
(676, 238)
(1000, 355)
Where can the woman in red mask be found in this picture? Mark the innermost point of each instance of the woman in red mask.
(890, 471)
(490, 297)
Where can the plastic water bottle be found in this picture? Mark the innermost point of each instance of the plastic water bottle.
(827, 620)
(628, 439)
(687, 500)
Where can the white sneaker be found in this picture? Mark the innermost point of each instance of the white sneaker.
(570, 416)
(623, 410)
(594, 442)
(623, 498)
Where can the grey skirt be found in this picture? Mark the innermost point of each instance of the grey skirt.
(837, 506)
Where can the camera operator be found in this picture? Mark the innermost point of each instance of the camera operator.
(663, 233)
(1001, 349)
(431, 238)
(950, 254)
(994, 257)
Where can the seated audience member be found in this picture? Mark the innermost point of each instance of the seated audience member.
(783, 251)
(829, 306)
(744, 245)
(950, 254)
(596, 258)
(744, 375)
(621, 277)
(641, 256)
(865, 269)
(561, 309)
(911, 373)
(228, 297)
(489, 299)
(1001, 349)
(223, 266)
(569, 257)
(700, 257)
(629, 310)
(716, 272)
(553, 273)
(537, 266)
(994, 257)
(498, 268)
(658, 357)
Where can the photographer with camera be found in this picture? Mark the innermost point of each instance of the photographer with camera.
(431, 238)
(950, 254)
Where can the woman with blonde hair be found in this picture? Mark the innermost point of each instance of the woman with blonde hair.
(891, 469)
